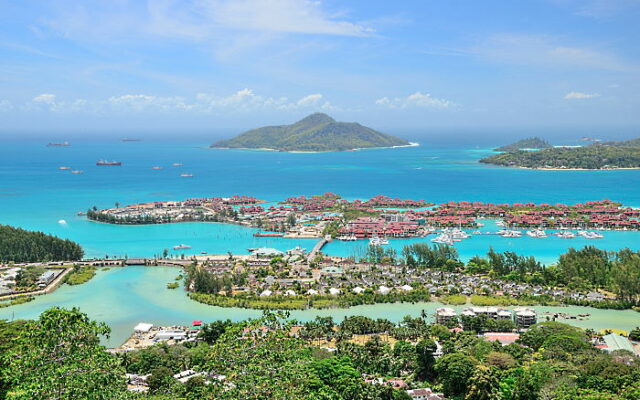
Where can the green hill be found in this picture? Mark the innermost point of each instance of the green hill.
(529, 143)
(20, 245)
(607, 155)
(317, 132)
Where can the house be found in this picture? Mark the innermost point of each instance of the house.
(425, 394)
(171, 334)
(46, 278)
(524, 317)
(444, 315)
(613, 342)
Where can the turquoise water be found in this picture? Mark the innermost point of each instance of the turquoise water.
(34, 194)
(122, 297)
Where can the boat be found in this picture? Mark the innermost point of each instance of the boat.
(566, 235)
(443, 238)
(377, 241)
(511, 234)
(130, 139)
(77, 171)
(347, 238)
(537, 233)
(203, 252)
(109, 163)
(181, 247)
(156, 168)
(261, 234)
(186, 175)
(81, 213)
(61, 144)
(64, 168)
(177, 164)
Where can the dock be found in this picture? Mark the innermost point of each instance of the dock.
(319, 246)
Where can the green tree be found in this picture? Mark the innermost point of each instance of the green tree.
(483, 385)
(59, 356)
(454, 371)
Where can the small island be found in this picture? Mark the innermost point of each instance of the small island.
(533, 143)
(597, 156)
(317, 132)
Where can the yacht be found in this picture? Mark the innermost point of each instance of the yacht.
(566, 235)
(77, 171)
(64, 168)
(458, 234)
(443, 238)
(511, 234)
(181, 247)
(186, 175)
(156, 167)
(177, 164)
(377, 241)
(537, 233)
(347, 238)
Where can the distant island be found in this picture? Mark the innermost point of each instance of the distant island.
(524, 144)
(315, 133)
(604, 155)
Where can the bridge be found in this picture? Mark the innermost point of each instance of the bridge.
(319, 246)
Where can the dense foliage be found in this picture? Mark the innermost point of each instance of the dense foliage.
(317, 132)
(20, 245)
(595, 156)
(80, 275)
(529, 143)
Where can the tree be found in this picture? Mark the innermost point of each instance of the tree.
(483, 385)
(454, 371)
(59, 356)
(425, 359)
(212, 331)
(161, 380)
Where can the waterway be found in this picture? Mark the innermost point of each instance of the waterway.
(123, 297)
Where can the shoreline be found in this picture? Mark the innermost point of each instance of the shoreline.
(411, 144)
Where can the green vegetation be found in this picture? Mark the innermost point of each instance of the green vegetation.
(453, 299)
(609, 155)
(317, 132)
(80, 275)
(16, 301)
(529, 143)
(312, 301)
(173, 285)
(19, 245)
(59, 357)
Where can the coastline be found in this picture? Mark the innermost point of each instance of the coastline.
(411, 144)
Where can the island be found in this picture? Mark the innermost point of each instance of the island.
(533, 143)
(597, 156)
(317, 132)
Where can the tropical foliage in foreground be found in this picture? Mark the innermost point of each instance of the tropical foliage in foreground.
(59, 357)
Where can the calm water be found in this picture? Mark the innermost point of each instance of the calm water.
(34, 194)
(122, 297)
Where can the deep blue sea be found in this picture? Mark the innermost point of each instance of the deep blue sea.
(35, 194)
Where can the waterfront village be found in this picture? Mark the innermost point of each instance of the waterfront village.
(299, 279)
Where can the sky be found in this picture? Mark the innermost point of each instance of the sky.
(210, 65)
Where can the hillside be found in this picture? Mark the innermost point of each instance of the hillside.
(529, 143)
(20, 245)
(609, 155)
(316, 132)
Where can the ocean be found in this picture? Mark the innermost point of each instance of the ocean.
(35, 194)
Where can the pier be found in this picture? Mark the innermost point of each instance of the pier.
(319, 246)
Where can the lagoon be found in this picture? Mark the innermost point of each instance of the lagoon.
(125, 296)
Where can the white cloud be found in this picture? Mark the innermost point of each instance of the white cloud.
(143, 102)
(46, 98)
(416, 99)
(580, 95)
(547, 51)
(283, 16)
(5, 105)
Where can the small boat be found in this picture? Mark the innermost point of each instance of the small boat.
(537, 233)
(81, 213)
(566, 235)
(377, 241)
(181, 247)
(77, 171)
(61, 144)
(109, 163)
(130, 139)
(64, 168)
(177, 164)
(156, 168)
(203, 252)
(347, 238)
(186, 175)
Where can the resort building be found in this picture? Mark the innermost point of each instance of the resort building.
(425, 394)
(524, 317)
(445, 315)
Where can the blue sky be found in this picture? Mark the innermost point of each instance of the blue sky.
(202, 65)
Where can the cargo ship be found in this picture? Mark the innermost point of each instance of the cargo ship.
(61, 144)
(103, 162)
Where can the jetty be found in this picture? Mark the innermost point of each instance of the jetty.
(319, 246)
